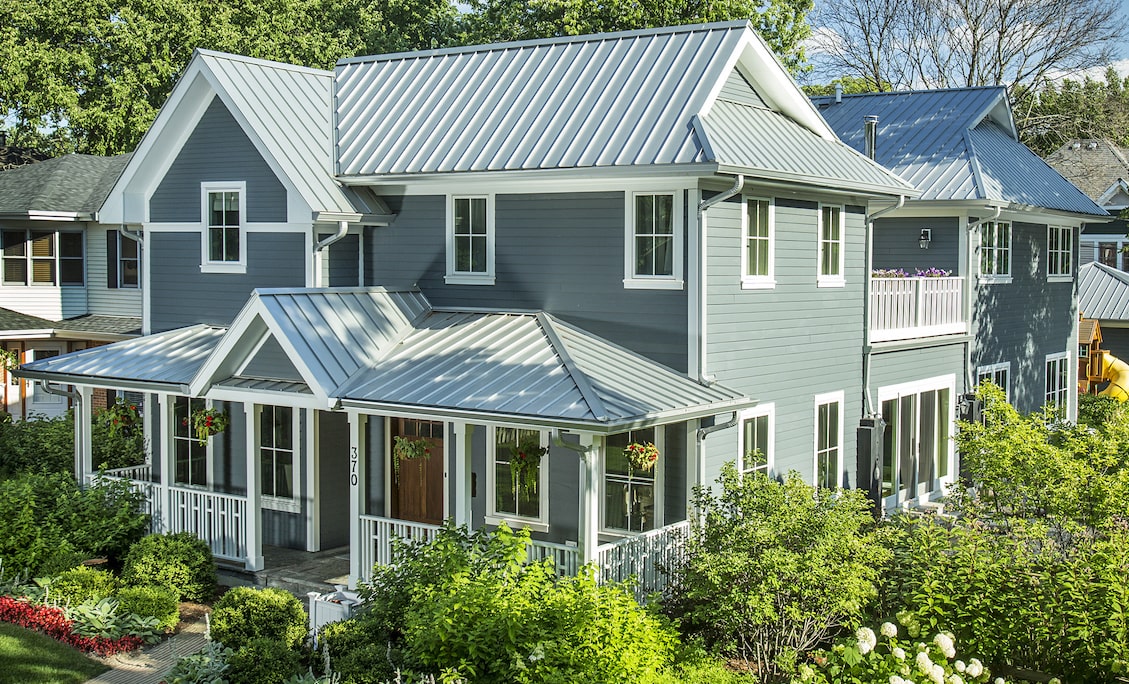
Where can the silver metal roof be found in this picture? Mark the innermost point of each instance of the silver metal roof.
(168, 359)
(955, 144)
(1103, 292)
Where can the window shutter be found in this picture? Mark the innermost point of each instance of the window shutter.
(111, 258)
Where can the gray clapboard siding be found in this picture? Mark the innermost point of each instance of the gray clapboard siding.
(181, 295)
(1024, 320)
(897, 244)
(217, 150)
(333, 470)
(344, 262)
(1116, 340)
(561, 253)
(909, 365)
(271, 361)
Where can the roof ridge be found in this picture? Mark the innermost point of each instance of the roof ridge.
(918, 91)
(591, 397)
(265, 63)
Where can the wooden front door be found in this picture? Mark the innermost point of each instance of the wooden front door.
(417, 489)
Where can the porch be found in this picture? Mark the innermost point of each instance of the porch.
(916, 307)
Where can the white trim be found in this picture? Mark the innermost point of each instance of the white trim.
(1069, 252)
(206, 264)
(988, 278)
(836, 397)
(515, 521)
(758, 411)
(453, 277)
(831, 280)
(280, 503)
(917, 388)
(989, 372)
(312, 491)
(674, 281)
(250, 226)
(768, 280)
(658, 485)
(1063, 357)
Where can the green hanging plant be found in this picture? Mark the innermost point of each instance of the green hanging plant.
(409, 449)
(525, 461)
(207, 422)
(640, 456)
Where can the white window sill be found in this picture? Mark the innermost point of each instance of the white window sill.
(830, 281)
(653, 284)
(468, 279)
(517, 523)
(758, 283)
(233, 267)
(1060, 279)
(994, 280)
(276, 503)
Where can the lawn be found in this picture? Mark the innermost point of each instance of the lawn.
(28, 657)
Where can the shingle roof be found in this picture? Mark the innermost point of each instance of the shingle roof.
(1088, 331)
(955, 144)
(1103, 292)
(1093, 165)
(89, 323)
(14, 320)
(72, 183)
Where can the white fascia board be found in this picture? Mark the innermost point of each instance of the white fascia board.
(777, 88)
(253, 396)
(539, 180)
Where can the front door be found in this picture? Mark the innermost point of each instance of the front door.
(417, 483)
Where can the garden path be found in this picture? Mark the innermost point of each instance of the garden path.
(150, 664)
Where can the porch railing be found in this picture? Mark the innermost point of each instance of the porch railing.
(643, 556)
(143, 473)
(218, 519)
(376, 539)
(907, 308)
(139, 477)
(566, 558)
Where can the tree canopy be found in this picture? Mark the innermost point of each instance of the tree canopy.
(1073, 109)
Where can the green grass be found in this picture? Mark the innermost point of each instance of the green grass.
(28, 657)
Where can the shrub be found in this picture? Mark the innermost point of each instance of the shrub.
(42, 445)
(82, 584)
(244, 614)
(207, 666)
(775, 568)
(181, 561)
(264, 661)
(53, 622)
(155, 601)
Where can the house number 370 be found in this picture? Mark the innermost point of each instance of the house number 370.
(353, 466)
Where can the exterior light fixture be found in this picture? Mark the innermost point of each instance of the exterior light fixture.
(925, 239)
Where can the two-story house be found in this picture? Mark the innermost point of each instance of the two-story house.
(67, 281)
(576, 244)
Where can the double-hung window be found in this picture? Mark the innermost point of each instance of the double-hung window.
(519, 478)
(995, 250)
(1060, 253)
(277, 462)
(757, 441)
(759, 245)
(190, 457)
(1058, 382)
(225, 216)
(123, 261)
(831, 247)
(632, 497)
(470, 240)
(828, 439)
(997, 373)
(43, 257)
(653, 245)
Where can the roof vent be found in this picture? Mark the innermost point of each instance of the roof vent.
(870, 123)
(1092, 146)
(838, 93)
(1076, 146)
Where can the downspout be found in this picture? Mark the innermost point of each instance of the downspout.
(969, 378)
(867, 401)
(74, 396)
(699, 442)
(738, 185)
(342, 231)
(135, 236)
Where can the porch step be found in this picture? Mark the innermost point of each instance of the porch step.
(294, 571)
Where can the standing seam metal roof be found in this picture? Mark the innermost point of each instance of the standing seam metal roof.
(1103, 292)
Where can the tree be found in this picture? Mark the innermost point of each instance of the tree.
(1069, 110)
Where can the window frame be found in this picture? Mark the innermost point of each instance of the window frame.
(56, 259)
(493, 516)
(828, 279)
(760, 281)
(992, 372)
(1059, 359)
(657, 483)
(991, 254)
(453, 276)
(768, 412)
(272, 501)
(207, 265)
(190, 439)
(1059, 258)
(676, 279)
(821, 400)
(121, 260)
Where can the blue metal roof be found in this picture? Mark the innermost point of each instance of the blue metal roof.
(1103, 292)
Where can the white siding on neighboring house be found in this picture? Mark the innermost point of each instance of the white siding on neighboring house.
(43, 301)
(102, 299)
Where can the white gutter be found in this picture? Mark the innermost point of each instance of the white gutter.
(969, 378)
(867, 401)
(135, 236)
(738, 184)
(342, 231)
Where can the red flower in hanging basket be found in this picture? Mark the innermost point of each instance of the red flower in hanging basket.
(208, 422)
(641, 455)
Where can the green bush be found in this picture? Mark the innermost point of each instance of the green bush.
(181, 561)
(82, 584)
(155, 601)
(43, 445)
(207, 666)
(244, 614)
(264, 661)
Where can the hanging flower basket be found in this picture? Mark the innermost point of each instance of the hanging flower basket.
(408, 449)
(640, 456)
(524, 464)
(207, 422)
(121, 418)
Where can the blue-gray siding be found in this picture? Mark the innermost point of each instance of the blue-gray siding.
(333, 470)
(272, 362)
(344, 262)
(910, 365)
(181, 295)
(1116, 340)
(897, 244)
(217, 150)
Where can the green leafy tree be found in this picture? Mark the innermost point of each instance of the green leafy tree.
(1063, 111)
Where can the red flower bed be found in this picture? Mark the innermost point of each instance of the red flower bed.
(54, 623)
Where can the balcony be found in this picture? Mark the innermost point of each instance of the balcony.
(915, 307)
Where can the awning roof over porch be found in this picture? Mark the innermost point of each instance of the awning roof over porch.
(381, 350)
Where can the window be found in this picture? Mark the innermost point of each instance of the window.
(517, 494)
(1060, 252)
(654, 241)
(190, 458)
(831, 246)
(995, 249)
(828, 439)
(1058, 382)
(998, 373)
(470, 241)
(276, 457)
(225, 215)
(758, 254)
(757, 441)
(129, 262)
(38, 257)
(631, 497)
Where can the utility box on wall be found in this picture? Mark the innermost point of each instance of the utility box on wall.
(869, 450)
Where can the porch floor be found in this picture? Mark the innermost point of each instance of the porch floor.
(298, 572)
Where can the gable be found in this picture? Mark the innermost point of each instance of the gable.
(271, 362)
(217, 150)
(738, 89)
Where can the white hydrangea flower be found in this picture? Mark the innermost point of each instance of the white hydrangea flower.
(923, 662)
(865, 647)
(899, 653)
(975, 668)
(958, 665)
(895, 679)
(937, 674)
(955, 679)
(945, 643)
(1001, 680)
(889, 630)
(866, 635)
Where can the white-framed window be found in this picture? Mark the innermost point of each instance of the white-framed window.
(998, 373)
(829, 440)
(653, 241)
(1060, 252)
(190, 458)
(995, 250)
(129, 262)
(756, 442)
(632, 498)
(831, 247)
(43, 257)
(1058, 381)
(278, 462)
(470, 240)
(521, 501)
(759, 244)
(224, 215)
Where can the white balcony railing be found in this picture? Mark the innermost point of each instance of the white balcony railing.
(908, 308)
(644, 556)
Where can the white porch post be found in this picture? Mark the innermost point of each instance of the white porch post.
(590, 497)
(168, 458)
(254, 521)
(461, 483)
(313, 480)
(357, 423)
(84, 435)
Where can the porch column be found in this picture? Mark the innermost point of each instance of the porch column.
(461, 483)
(84, 435)
(254, 520)
(357, 542)
(166, 429)
(590, 496)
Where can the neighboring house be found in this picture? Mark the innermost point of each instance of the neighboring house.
(577, 243)
(1103, 296)
(67, 282)
(1005, 225)
(1100, 169)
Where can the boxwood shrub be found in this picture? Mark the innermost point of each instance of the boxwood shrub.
(264, 661)
(82, 584)
(154, 601)
(244, 614)
(181, 561)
